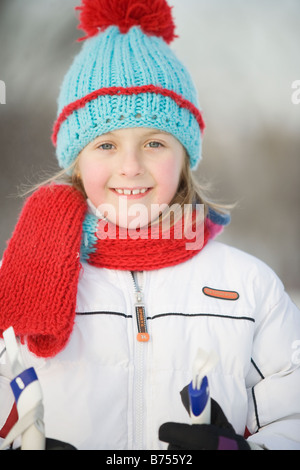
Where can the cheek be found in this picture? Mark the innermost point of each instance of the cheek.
(94, 180)
(167, 181)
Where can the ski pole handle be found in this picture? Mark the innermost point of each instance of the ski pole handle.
(28, 397)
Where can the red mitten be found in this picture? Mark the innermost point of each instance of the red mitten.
(40, 269)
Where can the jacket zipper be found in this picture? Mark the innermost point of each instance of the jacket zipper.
(140, 365)
(140, 311)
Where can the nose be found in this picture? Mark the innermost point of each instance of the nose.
(131, 163)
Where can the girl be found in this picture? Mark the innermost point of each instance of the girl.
(110, 302)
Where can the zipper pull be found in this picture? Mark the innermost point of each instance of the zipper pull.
(143, 335)
(140, 312)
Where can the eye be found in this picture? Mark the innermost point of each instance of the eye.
(105, 146)
(154, 144)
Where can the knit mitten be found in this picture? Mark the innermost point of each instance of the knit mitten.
(40, 269)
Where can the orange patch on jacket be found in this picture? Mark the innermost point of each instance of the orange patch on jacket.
(220, 294)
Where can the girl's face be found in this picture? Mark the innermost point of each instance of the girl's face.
(128, 173)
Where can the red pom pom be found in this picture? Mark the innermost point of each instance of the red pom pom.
(153, 16)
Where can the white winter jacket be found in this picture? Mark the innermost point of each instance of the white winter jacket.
(106, 390)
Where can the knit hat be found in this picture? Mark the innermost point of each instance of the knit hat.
(126, 75)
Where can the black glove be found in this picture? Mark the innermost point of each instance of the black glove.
(219, 435)
(54, 444)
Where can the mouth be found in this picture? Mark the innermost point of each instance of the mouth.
(131, 192)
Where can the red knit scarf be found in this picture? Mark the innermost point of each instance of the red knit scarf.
(41, 265)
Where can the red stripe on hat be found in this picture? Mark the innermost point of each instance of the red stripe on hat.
(110, 91)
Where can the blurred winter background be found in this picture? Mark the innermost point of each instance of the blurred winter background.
(244, 57)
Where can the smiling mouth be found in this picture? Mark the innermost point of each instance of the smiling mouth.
(131, 192)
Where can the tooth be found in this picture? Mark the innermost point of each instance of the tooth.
(127, 191)
(135, 191)
(119, 191)
(143, 190)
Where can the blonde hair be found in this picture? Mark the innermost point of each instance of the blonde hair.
(190, 191)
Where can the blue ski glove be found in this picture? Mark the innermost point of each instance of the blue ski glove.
(219, 435)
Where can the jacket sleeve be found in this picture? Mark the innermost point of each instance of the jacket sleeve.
(273, 382)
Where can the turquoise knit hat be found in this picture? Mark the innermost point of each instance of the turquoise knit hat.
(125, 76)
